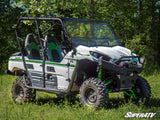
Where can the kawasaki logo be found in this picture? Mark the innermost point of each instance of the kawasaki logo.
(139, 115)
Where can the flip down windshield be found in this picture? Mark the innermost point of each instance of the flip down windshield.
(90, 33)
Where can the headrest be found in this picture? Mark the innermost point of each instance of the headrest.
(50, 38)
(29, 39)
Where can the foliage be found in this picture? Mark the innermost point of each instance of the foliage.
(136, 22)
(9, 16)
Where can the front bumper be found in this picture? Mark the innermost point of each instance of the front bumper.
(127, 75)
(114, 67)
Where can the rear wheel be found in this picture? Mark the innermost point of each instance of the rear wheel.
(20, 93)
(140, 93)
(93, 92)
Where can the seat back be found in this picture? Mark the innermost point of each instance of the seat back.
(32, 49)
(53, 50)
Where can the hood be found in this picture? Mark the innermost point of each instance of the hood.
(115, 52)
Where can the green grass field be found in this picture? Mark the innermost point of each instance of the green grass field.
(48, 107)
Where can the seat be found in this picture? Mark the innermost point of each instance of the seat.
(53, 49)
(32, 49)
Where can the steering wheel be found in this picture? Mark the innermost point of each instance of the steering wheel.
(102, 43)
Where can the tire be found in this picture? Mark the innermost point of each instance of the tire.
(20, 93)
(93, 92)
(141, 90)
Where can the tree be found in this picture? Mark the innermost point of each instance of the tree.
(136, 22)
(9, 16)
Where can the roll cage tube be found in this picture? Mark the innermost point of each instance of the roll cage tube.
(36, 19)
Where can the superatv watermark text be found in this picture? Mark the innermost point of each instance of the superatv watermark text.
(139, 115)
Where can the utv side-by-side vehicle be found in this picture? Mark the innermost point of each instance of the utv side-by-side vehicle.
(68, 56)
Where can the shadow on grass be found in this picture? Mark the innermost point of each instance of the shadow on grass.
(55, 100)
(113, 102)
(154, 102)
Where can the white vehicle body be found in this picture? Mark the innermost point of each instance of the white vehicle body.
(61, 70)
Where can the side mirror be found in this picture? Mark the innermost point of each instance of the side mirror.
(74, 52)
(74, 49)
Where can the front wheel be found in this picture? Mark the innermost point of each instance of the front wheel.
(140, 93)
(93, 92)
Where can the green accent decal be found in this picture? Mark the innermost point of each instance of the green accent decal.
(15, 59)
(72, 65)
(83, 54)
(33, 61)
(40, 62)
(55, 63)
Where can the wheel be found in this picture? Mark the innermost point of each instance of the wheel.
(20, 93)
(93, 92)
(141, 90)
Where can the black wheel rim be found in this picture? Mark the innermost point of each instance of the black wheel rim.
(19, 93)
(138, 93)
(140, 97)
(90, 96)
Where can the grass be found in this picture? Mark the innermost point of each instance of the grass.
(48, 107)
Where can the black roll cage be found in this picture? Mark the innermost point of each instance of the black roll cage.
(42, 45)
